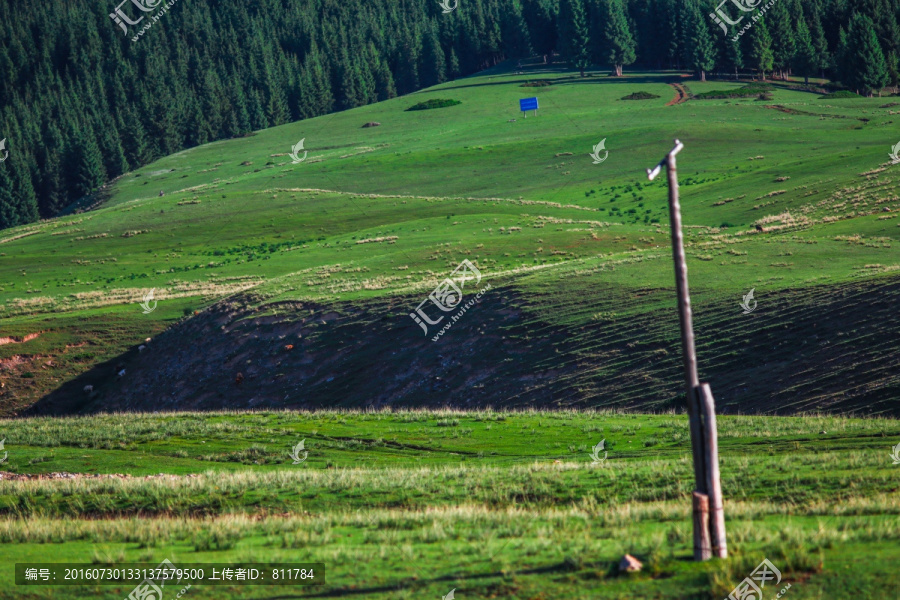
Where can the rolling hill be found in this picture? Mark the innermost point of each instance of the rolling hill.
(290, 285)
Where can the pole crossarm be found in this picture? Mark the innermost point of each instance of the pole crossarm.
(652, 173)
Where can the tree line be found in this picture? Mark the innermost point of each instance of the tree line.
(81, 103)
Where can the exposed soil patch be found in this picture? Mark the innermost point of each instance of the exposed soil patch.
(22, 340)
(794, 111)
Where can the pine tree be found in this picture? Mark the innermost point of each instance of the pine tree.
(350, 92)
(618, 38)
(869, 71)
(820, 44)
(113, 155)
(86, 163)
(10, 213)
(893, 66)
(541, 18)
(255, 110)
(453, 67)
(199, 131)
(277, 110)
(432, 68)
(8, 76)
(212, 105)
(240, 118)
(784, 46)
(734, 56)
(385, 88)
(703, 49)
(573, 34)
(840, 62)
(806, 60)
(886, 27)
(51, 189)
(134, 138)
(409, 48)
(24, 190)
(18, 204)
(321, 97)
(675, 25)
(514, 31)
(761, 48)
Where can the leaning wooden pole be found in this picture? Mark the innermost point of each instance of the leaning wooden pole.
(688, 353)
(709, 529)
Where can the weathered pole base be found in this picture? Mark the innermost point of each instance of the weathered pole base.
(702, 546)
(713, 480)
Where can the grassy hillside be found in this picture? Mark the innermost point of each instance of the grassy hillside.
(495, 505)
(283, 286)
(331, 255)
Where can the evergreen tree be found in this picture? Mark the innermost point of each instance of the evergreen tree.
(573, 34)
(618, 37)
(806, 60)
(869, 71)
(24, 190)
(134, 137)
(18, 205)
(432, 68)
(212, 105)
(453, 67)
(885, 17)
(277, 110)
(85, 162)
(784, 46)
(761, 48)
(409, 50)
(51, 189)
(703, 49)
(670, 9)
(8, 75)
(893, 66)
(820, 44)
(733, 55)
(240, 117)
(385, 88)
(111, 150)
(541, 18)
(840, 62)
(10, 212)
(322, 97)
(514, 31)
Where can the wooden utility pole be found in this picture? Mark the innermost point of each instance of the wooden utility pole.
(709, 533)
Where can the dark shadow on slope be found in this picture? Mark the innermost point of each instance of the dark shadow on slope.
(581, 344)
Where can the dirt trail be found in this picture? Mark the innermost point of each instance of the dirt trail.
(681, 94)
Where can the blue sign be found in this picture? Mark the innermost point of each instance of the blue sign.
(528, 104)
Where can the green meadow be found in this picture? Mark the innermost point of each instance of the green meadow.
(282, 286)
(494, 504)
